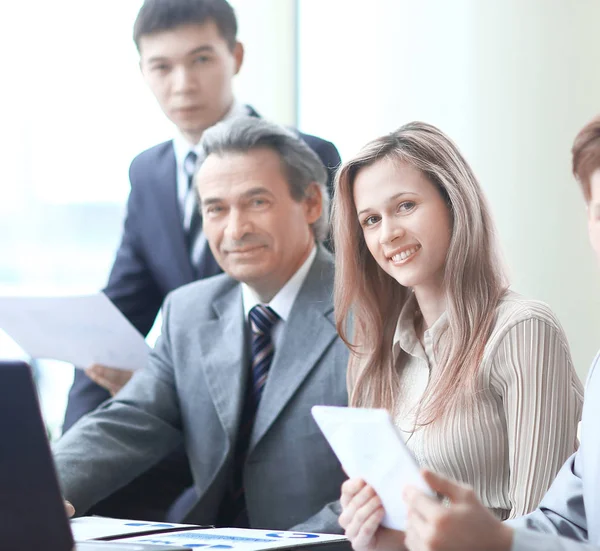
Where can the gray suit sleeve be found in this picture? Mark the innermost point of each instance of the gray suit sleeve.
(560, 522)
(527, 540)
(106, 449)
(324, 522)
(562, 510)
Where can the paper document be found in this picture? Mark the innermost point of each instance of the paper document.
(241, 539)
(81, 330)
(370, 447)
(91, 528)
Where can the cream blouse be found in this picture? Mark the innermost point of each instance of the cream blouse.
(524, 422)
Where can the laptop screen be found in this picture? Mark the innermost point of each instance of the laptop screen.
(32, 514)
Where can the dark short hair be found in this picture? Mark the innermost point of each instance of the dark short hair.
(164, 15)
(586, 154)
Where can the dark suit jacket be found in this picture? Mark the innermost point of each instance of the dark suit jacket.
(153, 260)
(192, 390)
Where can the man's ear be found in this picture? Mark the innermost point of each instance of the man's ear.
(238, 55)
(142, 70)
(313, 202)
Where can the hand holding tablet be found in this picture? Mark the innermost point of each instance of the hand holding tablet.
(369, 446)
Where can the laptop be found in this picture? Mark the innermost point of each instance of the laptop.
(32, 513)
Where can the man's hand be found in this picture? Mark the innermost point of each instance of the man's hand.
(109, 378)
(464, 525)
(362, 513)
(69, 509)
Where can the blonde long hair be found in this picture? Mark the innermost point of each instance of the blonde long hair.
(368, 301)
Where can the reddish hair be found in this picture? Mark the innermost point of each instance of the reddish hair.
(586, 154)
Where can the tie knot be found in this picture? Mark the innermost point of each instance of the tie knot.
(262, 318)
(189, 164)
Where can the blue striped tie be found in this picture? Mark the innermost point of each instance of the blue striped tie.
(262, 318)
(191, 217)
(232, 511)
(189, 167)
(202, 260)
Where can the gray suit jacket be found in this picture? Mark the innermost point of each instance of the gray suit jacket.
(571, 507)
(193, 389)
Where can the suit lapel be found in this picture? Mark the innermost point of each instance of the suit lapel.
(590, 450)
(222, 345)
(306, 335)
(168, 205)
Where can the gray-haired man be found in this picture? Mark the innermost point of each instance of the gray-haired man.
(242, 357)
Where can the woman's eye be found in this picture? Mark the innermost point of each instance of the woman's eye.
(370, 220)
(406, 206)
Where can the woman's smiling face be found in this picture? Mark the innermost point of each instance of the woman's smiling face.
(405, 221)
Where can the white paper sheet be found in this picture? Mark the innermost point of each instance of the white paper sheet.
(370, 447)
(90, 528)
(82, 330)
(240, 539)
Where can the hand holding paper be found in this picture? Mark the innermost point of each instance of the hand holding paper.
(369, 447)
(362, 513)
(110, 378)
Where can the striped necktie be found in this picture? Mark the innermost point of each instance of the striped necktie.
(262, 318)
(189, 206)
(232, 511)
(201, 257)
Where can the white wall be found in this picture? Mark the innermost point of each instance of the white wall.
(267, 81)
(511, 82)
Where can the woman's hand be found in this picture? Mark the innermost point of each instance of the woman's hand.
(362, 513)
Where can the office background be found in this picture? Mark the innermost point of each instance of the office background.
(511, 82)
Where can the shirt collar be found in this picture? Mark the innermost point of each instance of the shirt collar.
(405, 336)
(283, 301)
(182, 146)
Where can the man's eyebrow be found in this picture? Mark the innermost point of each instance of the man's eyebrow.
(259, 190)
(205, 48)
(209, 201)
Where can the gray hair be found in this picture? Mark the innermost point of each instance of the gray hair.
(300, 163)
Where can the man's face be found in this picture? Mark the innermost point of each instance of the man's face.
(593, 209)
(190, 70)
(257, 232)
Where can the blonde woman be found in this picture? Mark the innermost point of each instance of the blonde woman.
(478, 378)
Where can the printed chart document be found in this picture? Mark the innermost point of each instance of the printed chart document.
(94, 528)
(370, 447)
(240, 539)
(82, 330)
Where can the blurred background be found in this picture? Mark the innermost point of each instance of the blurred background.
(511, 82)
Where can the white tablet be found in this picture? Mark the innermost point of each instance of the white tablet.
(369, 446)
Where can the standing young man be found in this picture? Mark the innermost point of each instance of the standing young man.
(189, 55)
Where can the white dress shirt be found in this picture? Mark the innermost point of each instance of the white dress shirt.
(283, 301)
